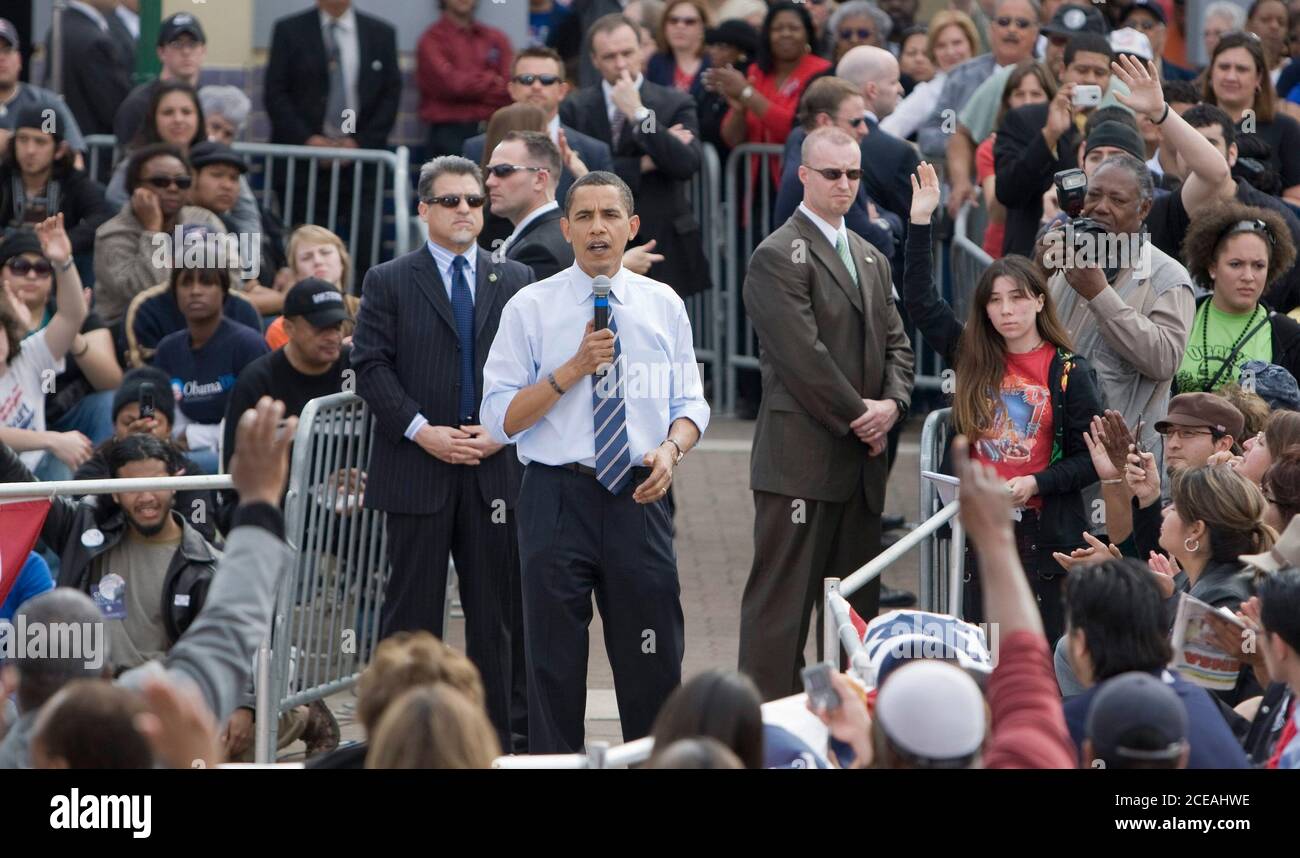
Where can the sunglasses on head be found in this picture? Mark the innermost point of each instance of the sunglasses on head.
(23, 267)
(833, 174)
(162, 183)
(544, 79)
(452, 201)
(861, 33)
(503, 170)
(1256, 225)
(1007, 21)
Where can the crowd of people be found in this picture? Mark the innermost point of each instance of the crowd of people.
(1124, 393)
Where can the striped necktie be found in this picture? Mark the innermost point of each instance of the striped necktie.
(613, 459)
(842, 248)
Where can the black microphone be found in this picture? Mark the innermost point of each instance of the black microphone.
(600, 285)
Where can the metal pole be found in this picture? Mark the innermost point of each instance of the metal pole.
(78, 488)
(867, 573)
(265, 706)
(56, 47)
(830, 647)
(956, 563)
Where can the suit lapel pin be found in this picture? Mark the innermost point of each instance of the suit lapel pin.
(377, 65)
(870, 259)
(492, 278)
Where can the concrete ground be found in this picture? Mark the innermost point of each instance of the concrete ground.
(715, 523)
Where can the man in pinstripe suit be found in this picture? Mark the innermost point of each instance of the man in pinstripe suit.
(426, 322)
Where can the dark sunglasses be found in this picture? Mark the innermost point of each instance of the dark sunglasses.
(162, 183)
(530, 79)
(833, 175)
(452, 201)
(681, 21)
(23, 267)
(855, 122)
(1007, 21)
(503, 170)
(862, 33)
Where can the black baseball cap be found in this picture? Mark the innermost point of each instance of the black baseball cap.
(317, 301)
(1136, 717)
(1069, 20)
(9, 33)
(1147, 6)
(211, 152)
(180, 24)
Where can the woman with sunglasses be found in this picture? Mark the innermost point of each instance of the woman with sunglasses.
(857, 23)
(1237, 252)
(1238, 81)
(764, 100)
(950, 41)
(681, 59)
(1022, 397)
(133, 248)
(26, 361)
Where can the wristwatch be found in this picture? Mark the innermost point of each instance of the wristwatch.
(747, 92)
(642, 114)
(677, 460)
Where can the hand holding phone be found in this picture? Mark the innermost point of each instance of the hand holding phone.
(817, 684)
(1086, 95)
(147, 402)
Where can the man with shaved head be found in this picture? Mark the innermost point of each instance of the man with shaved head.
(820, 439)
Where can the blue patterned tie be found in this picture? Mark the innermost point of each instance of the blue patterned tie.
(613, 460)
(462, 305)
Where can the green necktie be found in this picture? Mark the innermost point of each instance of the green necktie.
(842, 248)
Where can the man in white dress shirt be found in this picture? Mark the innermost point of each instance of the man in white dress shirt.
(600, 419)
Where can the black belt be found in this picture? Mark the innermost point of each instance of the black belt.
(639, 474)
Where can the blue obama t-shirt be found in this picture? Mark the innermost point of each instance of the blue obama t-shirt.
(202, 378)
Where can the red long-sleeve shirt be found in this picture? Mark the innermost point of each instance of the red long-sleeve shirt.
(462, 72)
(1029, 729)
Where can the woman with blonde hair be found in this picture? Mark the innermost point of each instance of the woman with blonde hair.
(314, 251)
(951, 40)
(433, 727)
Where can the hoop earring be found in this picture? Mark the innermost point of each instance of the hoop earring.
(1189, 548)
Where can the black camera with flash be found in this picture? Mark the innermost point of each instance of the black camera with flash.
(1071, 191)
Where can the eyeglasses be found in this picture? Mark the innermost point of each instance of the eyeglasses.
(1184, 434)
(530, 79)
(452, 201)
(833, 175)
(1007, 21)
(23, 267)
(503, 170)
(683, 21)
(862, 34)
(162, 183)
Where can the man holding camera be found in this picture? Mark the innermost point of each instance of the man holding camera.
(1037, 141)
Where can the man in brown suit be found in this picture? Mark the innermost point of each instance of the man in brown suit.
(837, 375)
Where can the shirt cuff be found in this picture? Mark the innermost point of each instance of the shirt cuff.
(261, 515)
(418, 422)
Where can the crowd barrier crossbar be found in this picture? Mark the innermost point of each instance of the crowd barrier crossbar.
(705, 309)
(967, 257)
(303, 167)
(934, 551)
(326, 620)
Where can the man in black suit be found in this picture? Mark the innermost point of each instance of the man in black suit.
(653, 132)
(96, 65)
(426, 323)
(887, 162)
(521, 186)
(332, 80)
(537, 78)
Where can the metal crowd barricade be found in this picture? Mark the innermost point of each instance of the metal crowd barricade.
(304, 167)
(934, 551)
(326, 620)
(706, 309)
(967, 258)
(80, 488)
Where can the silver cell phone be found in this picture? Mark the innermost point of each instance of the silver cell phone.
(817, 684)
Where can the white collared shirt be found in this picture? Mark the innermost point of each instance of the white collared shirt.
(90, 12)
(611, 109)
(553, 129)
(349, 51)
(529, 218)
(542, 327)
(130, 19)
(832, 233)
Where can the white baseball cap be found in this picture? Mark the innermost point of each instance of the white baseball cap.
(933, 712)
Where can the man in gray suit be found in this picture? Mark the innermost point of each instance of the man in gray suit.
(837, 375)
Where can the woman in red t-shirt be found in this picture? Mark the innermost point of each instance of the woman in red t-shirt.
(1021, 396)
(1028, 83)
(764, 103)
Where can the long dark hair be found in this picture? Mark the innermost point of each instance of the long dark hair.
(1264, 104)
(981, 351)
(721, 704)
(149, 130)
(60, 167)
(764, 56)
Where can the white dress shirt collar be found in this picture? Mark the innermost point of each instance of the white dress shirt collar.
(90, 12)
(553, 129)
(580, 284)
(529, 218)
(832, 233)
(872, 116)
(444, 258)
(130, 19)
(347, 21)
